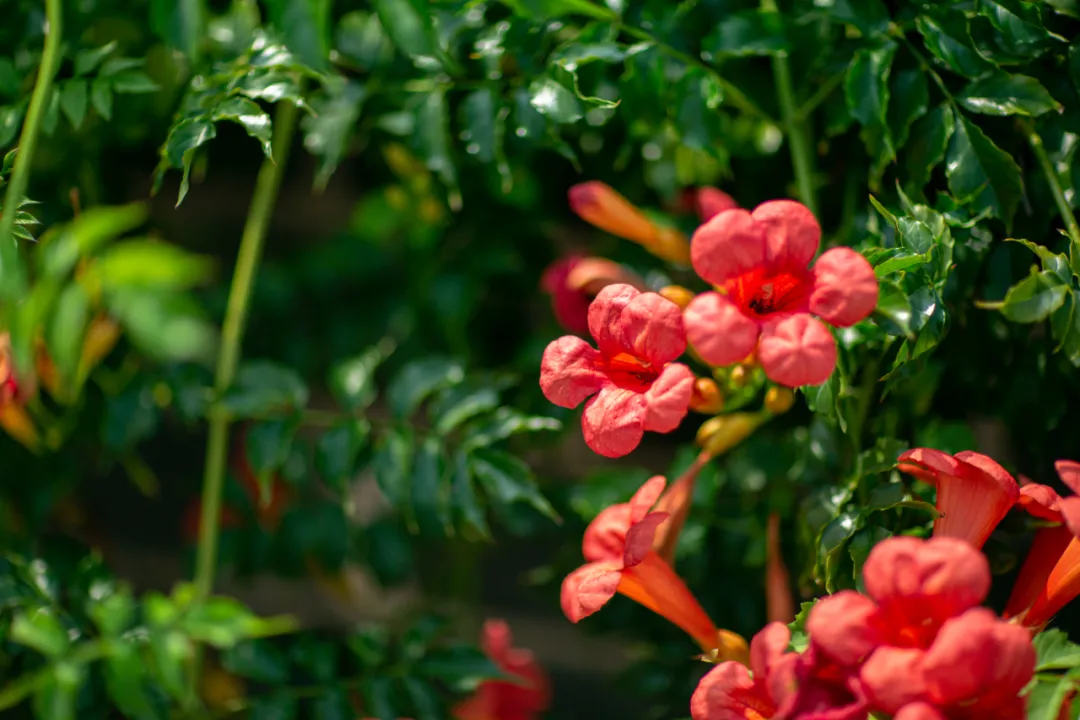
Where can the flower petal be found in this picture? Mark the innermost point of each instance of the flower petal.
(646, 496)
(767, 646)
(614, 421)
(728, 693)
(710, 202)
(797, 350)
(919, 711)
(845, 288)
(977, 657)
(893, 677)
(919, 584)
(1046, 550)
(589, 588)
(727, 246)
(1040, 501)
(718, 330)
(640, 537)
(844, 627)
(668, 399)
(646, 325)
(605, 538)
(569, 371)
(1069, 472)
(792, 234)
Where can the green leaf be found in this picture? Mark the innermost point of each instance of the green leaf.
(305, 26)
(479, 111)
(41, 630)
(460, 667)
(915, 235)
(463, 499)
(926, 148)
(866, 87)
(81, 237)
(1005, 94)
(163, 324)
(248, 115)
(55, 698)
(504, 423)
(551, 98)
(508, 480)
(892, 260)
(1055, 263)
(267, 446)
(832, 546)
(10, 121)
(9, 79)
(909, 99)
(338, 449)
(112, 613)
(748, 32)
(180, 23)
(433, 119)
(332, 704)
(409, 25)
(392, 465)
(101, 97)
(870, 16)
(860, 546)
(948, 40)
(133, 83)
(419, 379)
(1020, 25)
(329, 128)
(976, 168)
(462, 402)
(424, 699)
(73, 101)
(171, 651)
(52, 112)
(64, 333)
(430, 495)
(116, 65)
(124, 673)
(149, 264)
(276, 705)
(361, 38)
(1054, 651)
(547, 10)
(263, 389)
(1065, 326)
(352, 381)
(183, 140)
(1034, 298)
(893, 311)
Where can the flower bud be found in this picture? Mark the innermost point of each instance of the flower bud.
(707, 398)
(778, 400)
(729, 646)
(723, 432)
(677, 294)
(600, 205)
(739, 375)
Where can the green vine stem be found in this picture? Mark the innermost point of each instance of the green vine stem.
(232, 331)
(12, 272)
(1052, 179)
(802, 159)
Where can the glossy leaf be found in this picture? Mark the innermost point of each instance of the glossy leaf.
(1034, 298)
(909, 99)
(947, 38)
(748, 32)
(870, 16)
(352, 381)
(1005, 94)
(305, 26)
(464, 500)
(552, 99)
(977, 169)
(392, 465)
(419, 379)
(504, 423)
(338, 449)
(181, 23)
(927, 145)
(430, 494)
(248, 115)
(408, 23)
(263, 389)
(508, 480)
(545, 10)
(329, 128)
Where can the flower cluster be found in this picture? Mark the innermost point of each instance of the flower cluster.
(916, 646)
(766, 308)
(974, 494)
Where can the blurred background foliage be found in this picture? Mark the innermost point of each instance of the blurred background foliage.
(391, 453)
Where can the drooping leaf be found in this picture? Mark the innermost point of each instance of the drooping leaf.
(248, 115)
(329, 128)
(980, 171)
(551, 98)
(263, 389)
(74, 96)
(417, 380)
(909, 98)
(507, 480)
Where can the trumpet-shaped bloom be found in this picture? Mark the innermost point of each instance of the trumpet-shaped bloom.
(1050, 576)
(783, 685)
(913, 587)
(974, 670)
(573, 282)
(633, 382)
(618, 546)
(600, 205)
(767, 293)
(523, 699)
(974, 493)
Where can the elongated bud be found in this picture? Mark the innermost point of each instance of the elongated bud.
(778, 400)
(101, 338)
(592, 274)
(19, 425)
(677, 294)
(780, 606)
(707, 398)
(719, 434)
(599, 204)
(45, 369)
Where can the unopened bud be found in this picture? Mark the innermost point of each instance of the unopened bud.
(719, 434)
(778, 400)
(590, 275)
(707, 398)
(739, 375)
(729, 646)
(677, 294)
(602, 206)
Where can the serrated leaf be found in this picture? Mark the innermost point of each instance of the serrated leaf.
(948, 40)
(507, 480)
(1054, 651)
(552, 99)
(305, 27)
(927, 145)
(248, 115)
(417, 380)
(1034, 298)
(977, 169)
(184, 138)
(329, 128)
(1005, 94)
(430, 495)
